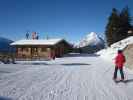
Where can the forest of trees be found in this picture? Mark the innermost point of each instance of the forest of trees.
(119, 26)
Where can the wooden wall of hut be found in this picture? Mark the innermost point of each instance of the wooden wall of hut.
(39, 52)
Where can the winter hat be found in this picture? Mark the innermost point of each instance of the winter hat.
(119, 51)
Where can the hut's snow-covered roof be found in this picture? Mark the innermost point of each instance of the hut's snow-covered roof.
(37, 42)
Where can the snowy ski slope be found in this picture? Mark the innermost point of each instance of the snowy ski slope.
(79, 77)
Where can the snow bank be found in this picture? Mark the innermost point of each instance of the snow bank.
(110, 52)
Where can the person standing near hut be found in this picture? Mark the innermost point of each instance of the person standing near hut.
(52, 56)
(27, 35)
(37, 36)
(119, 63)
(33, 35)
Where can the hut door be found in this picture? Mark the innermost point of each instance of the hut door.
(34, 52)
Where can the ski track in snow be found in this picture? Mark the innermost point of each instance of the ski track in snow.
(56, 81)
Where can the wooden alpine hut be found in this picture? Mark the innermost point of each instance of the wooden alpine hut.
(30, 49)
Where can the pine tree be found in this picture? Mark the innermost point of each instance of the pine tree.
(118, 26)
(125, 23)
(112, 27)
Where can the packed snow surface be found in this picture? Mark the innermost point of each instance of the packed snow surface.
(73, 77)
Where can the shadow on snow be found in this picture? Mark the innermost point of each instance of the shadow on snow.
(81, 55)
(5, 98)
(34, 63)
(65, 64)
(70, 64)
(128, 81)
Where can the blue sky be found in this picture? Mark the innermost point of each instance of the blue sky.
(70, 19)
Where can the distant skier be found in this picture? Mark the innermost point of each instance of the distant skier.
(119, 62)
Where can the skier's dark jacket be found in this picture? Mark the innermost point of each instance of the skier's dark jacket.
(120, 60)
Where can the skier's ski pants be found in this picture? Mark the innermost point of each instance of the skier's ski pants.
(121, 72)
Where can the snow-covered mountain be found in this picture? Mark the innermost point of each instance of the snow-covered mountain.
(5, 44)
(91, 43)
(91, 39)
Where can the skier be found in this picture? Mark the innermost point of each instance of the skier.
(119, 62)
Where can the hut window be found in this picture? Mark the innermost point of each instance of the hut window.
(48, 49)
(44, 49)
(35, 49)
(20, 49)
(26, 49)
